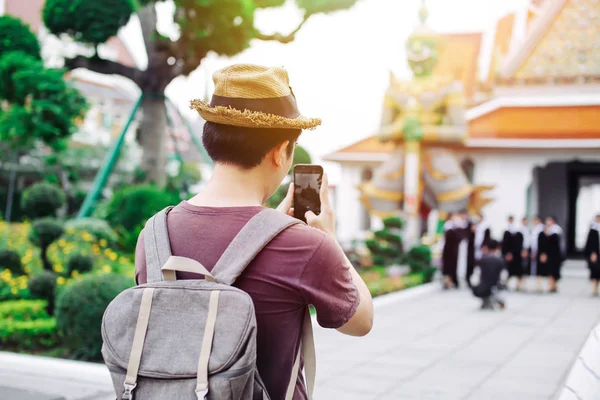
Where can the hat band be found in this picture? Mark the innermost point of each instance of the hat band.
(283, 106)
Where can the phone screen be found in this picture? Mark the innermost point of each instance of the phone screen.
(307, 187)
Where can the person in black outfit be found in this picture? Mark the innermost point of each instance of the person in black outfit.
(526, 253)
(592, 254)
(470, 234)
(551, 253)
(536, 231)
(512, 249)
(454, 234)
(491, 265)
(483, 236)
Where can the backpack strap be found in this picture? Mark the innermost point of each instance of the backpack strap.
(254, 236)
(156, 244)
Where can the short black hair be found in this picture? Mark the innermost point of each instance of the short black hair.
(493, 245)
(511, 217)
(244, 147)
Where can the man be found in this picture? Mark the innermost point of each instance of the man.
(551, 249)
(526, 253)
(251, 129)
(592, 254)
(471, 227)
(536, 231)
(483, 236)
(491, 265)
(453, 236)
(512, 248)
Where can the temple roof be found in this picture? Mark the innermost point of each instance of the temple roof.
(563, 42)
(502, 42)
(460, 59)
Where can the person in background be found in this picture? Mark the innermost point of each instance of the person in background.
(551, 250)
(483, 235)
(453, 236)
(536, 231)
(592, 253)
(471, 259)
(526, 253)
(512, 248)
(490, 265)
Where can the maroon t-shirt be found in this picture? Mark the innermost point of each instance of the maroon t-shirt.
(300, 266)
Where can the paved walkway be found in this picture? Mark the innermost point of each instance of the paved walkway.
(426, 344)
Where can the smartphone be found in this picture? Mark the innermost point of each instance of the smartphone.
(307, 189)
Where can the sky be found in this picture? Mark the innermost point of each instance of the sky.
(339, 63)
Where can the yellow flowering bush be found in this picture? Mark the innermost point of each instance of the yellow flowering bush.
(73, 242)
(77, 254)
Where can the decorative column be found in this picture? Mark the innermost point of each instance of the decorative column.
(413, 133)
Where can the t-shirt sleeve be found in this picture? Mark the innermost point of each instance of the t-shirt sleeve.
(326, 283)
(140, 261)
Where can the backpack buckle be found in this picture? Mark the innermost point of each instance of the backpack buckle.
(201, 394)
(128, 393)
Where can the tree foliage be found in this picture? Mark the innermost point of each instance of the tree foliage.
(37, 103)
(16, 36)
(87, 21)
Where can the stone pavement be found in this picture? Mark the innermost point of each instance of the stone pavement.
(426, 344)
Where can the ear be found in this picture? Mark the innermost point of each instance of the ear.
(279, 154)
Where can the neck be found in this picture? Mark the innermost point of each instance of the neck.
(231, 186)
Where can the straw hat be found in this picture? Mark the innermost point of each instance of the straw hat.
(253, 96)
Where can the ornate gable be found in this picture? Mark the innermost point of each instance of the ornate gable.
(570, 46)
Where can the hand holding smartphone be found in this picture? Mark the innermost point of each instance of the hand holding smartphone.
(307, 188)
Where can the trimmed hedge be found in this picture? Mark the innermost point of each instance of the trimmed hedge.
(42, 199)
(11, 260)
(79, 310)
(23, 310)
(43, 286)
(28, 334)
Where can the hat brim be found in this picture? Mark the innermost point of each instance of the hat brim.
(251, 119)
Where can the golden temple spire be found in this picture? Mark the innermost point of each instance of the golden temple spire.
(423, 12)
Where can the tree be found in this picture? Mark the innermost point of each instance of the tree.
(223, 26)
(37, 105)
(16, 36)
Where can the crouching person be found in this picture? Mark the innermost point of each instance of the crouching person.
(490, 266)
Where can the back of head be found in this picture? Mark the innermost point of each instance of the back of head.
(244, 147)
(493, 246)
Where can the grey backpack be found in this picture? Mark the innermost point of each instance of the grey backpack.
(194, 339)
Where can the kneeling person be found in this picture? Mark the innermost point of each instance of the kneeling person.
(491, 266)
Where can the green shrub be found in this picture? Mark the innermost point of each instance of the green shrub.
(99, 228)
(42, 199)
(23, 310)
(43, 286)
(80, 263)
(79, 310)
(393, 222)
(11, 260)
(43, 233)
(28, 334)
(130, 208)
(419, 258)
